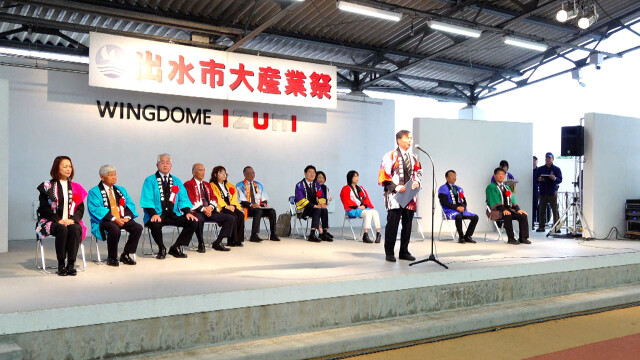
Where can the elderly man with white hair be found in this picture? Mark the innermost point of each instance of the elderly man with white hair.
(111, 210)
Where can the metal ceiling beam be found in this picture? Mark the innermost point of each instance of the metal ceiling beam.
(422, 93)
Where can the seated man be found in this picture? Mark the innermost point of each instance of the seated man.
(254, 200)
(205, 209)
(504, 206)
(163, 197)
(111, 210)
(312, 201)
(454, 205)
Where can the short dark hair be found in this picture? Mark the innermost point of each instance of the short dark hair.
(321, 173)
(350, 176)
(499, 169)
(504, 163)
(55, 167)
(535, 157)
(446, 175)
(402, 133)
(245, 169)
(214, 173)
(309, 167)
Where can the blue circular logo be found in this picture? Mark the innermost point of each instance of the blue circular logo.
(110, 61)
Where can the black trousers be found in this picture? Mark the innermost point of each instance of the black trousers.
(237, 235)
(188, 228)
(317, 215)
(534, 214)
(226, 222)
(542, 213)
(68, 240)
(522, 222)
(111, 232)
(257, 214)
(391, 230)
(472, 225)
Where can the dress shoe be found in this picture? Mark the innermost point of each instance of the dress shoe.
(127, 260)
(325, 237)
(71, 269)
(558, 231)
(525, 241)
(390, 258)
(201, 248)
(328, 234)
(378, 238)
(513, 242)
(176, 252)
(313, 238)
(112, 262)
(162, 253)
(219, 247)
(255, 238)
(365, 238)
(408, 257)
(469, 240)
(460, 240)
(274, 237)
(540, 230)
(62, 271)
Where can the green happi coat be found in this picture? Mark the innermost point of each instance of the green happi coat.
(494, 199)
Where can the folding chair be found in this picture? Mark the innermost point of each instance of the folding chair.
(296, 215)
(495, 224)
(40, 253)
(452, 230)
(417, 220)
(210, 231)
(247, 229)
(347, 219)
(150, 238)
(94, 240)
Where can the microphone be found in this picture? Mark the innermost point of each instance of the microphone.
(418, 147)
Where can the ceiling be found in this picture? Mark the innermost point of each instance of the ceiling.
(406, 57)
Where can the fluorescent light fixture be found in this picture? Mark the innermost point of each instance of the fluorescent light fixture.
(369, 11)
(34, 54)
(566, 13)
(525, 44)
(454, 29)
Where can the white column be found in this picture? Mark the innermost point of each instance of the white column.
(4, 165)
(471, 112)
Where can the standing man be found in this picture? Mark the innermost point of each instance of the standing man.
(549, 178)
(111, 210)
(205, 208)
(398, 168)
(163, 198)
(504, 206)
(254, 200)
(454, 205)
(313, 202)
(536, 193)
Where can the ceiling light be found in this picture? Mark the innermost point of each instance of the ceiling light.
(369, 11)
(566, 12)
(525, 44)
(34, 54)
(454, 29)
(588, 19)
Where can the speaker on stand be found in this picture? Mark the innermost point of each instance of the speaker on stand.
(572, 143)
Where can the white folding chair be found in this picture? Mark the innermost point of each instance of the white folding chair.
(94, 242)
(297, 215)
(247, 229)
(452, 228)
(495, 224)
(347, 219)
(150, 238)
(210, 231)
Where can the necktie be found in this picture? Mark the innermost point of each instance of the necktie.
(114, 206)
(165, 182)
(252, 195)
(203, 195)
(407, 167)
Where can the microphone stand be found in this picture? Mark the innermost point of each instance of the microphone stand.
(432, 256)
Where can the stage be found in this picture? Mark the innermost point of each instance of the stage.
(275, 288)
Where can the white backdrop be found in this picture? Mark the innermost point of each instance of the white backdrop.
(54, 113)
(473, 149)
(4, 160)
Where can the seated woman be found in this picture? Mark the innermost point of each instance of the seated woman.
(60, 214)
(227, 196)
(322, 179)
(357, 204)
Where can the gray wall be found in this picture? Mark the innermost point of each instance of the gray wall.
(473, 148)
(4, 160)
(54, 113)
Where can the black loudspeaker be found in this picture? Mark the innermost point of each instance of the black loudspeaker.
(572, 141)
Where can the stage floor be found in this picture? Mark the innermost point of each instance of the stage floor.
(290, 263)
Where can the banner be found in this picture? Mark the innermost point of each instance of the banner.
(119, 62)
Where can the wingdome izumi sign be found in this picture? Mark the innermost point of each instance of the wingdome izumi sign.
(118, 62)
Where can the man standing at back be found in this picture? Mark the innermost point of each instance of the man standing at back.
(399, 167)
(549, 177)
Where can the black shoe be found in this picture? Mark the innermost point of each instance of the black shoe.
(71, 269)
(127, 260)
(513, 242)
(313, 238)
(201, 248)
(540, 230)
(219, 247)
(390, 258)
(365, 238)
(325, 237)
(327, 233)
(461, 240)
(255, 238)
(176, 252)
(469, 240)
(378, 238)
(62, 271)
(274, 237)
(408, 257)
(524, 241)
(162, 253)
(558, 231)
(112, 262)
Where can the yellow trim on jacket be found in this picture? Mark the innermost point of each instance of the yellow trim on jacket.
(234, 196)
